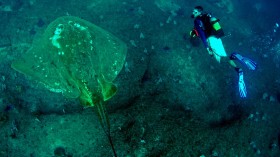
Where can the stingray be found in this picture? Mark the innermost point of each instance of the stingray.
(78, 59)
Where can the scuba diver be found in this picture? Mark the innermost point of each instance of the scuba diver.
(210, 32)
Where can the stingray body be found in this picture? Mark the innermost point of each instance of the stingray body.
(77, 58)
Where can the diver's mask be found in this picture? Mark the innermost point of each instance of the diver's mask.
(195, 12)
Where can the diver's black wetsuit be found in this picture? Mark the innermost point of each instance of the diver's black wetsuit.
(204, 27)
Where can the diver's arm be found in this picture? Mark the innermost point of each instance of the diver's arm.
(201, 33)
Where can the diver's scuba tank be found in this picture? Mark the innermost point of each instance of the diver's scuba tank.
(216, 25)
(218, 31)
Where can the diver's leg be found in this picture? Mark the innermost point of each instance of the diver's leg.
(241, 83)
(217, 47)
(233, 64)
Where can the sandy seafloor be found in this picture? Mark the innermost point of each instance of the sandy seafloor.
(173, 99)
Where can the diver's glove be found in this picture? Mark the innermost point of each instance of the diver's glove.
(241, 84)
(194, 33)
(210, 51)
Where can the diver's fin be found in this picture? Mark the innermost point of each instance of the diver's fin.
(249, 63)
(241, 85)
